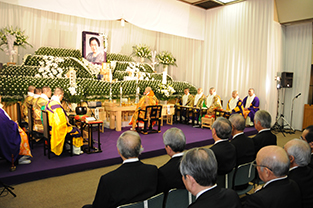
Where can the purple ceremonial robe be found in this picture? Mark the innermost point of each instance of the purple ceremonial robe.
(253, 108)
(10, 138)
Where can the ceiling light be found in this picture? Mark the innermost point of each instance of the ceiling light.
(226, 1)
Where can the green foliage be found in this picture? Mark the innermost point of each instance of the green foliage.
(142, 51)
(118, 57)
(59, 52)
(20, 37)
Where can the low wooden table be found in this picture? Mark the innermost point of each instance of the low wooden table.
(115, 112)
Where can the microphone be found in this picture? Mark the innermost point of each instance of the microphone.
(298, 95)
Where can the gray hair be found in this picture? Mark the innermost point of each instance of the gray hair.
(129, 144)
(278, 167)
(201, 164)
(264, 118)
(238, 122)
(175, 138)
(222, 127)
(301, 151)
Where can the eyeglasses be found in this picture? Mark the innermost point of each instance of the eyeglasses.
(255, 165)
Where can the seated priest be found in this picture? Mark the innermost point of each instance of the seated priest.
(234, 105)
(213, 102)
(14, 146)
(148, 99)
(39, 105)
(198, 103)
(251, 106)
(37, 93)
(185, 101)
(60, 126)
(27, 102)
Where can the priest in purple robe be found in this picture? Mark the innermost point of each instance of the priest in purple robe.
(251, 106)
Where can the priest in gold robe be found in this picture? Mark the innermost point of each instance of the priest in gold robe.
(234, 105)
(27, 102)
(38, 106)
(197, 104)
(148, 99)
(59, 125)
(185, 101)
(213, 102)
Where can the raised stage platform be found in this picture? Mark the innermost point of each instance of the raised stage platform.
(42, 167)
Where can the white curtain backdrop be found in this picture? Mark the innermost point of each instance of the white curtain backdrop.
(298, 55)
(243, 47)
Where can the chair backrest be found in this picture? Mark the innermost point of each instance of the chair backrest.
(245, 173)
(178, 198)
(46, 130)
(226, 181)
(30, 118)
(153, 202)
(153, 112)
(19, 116)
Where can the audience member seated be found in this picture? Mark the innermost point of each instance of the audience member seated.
(262, 123)
(199, 170)
(278, 191)
(224, 151)
(244, 146)
(307, 135)
(14, 146)
(234, 105)
(198, 103)
(60, 126)
(133, 181)
(169, 175)
(299, 153)
(39, 105)
(213, 102)
(185, 101)
(251, 106)
(148, 99)
(27, 102)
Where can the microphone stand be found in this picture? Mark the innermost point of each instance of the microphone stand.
(292, 110)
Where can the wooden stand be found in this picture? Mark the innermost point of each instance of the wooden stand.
(307, 116)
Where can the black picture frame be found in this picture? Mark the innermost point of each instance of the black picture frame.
(86, 49)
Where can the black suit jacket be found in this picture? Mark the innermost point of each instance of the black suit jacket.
(311, 163)
(131, 182)
(225, 154)
(169, 176)
(217, 198)
(263, 139)
(283, 193)
(244, 149)
(303, 176)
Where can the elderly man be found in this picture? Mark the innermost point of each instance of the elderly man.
(38, 106)
(273, 165)
(133, 181)
(262, 123)
(234, 105)
(199, 172)
(224, 151)
(59, 125)
(307, 135)
(186, 101)
(299, 153)
(169, 176)
(27, 102)
(148, 99)
(213, 102)
(197, 104)
(251, 106)
(244, 146)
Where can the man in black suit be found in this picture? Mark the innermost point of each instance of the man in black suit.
(299, 153)
(262, 123)
(244, 145)
(133, 181)
(199, 170)
(278, 191)
(224, 151)
(307, 135)
(169, 175)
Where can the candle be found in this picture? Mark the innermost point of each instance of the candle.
(121, 90)
(138, 89)
(164, 77)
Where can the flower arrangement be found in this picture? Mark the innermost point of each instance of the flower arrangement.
(142, 51)
(49, 67)
(20, 37)
(166, 58)
(164, 91)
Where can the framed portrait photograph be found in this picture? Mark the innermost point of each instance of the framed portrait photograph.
(93, 48)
